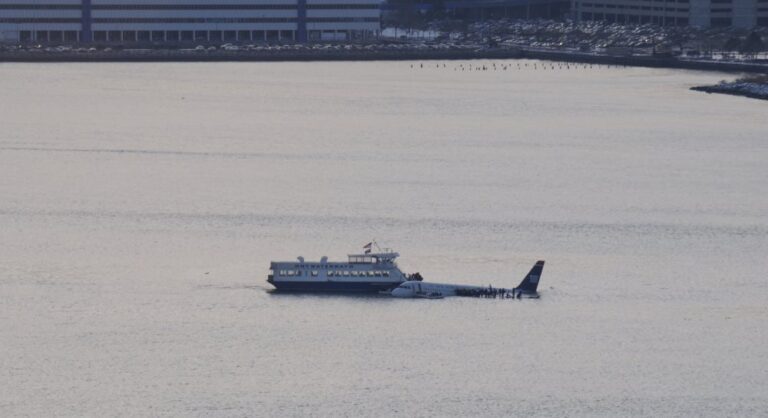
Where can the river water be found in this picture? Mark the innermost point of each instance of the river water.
(141, 204)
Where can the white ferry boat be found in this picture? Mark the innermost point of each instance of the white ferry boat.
(361, 273)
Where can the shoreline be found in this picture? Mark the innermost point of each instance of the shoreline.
(402, 54)
(181, 55)
(743, 88)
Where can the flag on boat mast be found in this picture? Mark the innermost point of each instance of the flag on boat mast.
(367, 247)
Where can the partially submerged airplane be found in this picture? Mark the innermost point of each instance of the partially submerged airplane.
(420, 289)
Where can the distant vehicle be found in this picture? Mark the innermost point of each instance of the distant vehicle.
(662, 51)
(619, 51)
(420, 289)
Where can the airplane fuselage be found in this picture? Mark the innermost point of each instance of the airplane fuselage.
(419, 289)
(414, 289)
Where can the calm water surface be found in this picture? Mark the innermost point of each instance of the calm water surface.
(140, 205)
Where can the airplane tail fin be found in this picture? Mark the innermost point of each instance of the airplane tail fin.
(531, 281)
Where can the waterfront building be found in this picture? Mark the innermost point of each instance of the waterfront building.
(700, 13)
(164, 21)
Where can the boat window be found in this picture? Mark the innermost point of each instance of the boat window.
(386, 274)
(314, 273)
(346, 273)
(370, 274)
(330, 273)
(289, 273)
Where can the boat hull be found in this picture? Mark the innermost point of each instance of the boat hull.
(333, 287)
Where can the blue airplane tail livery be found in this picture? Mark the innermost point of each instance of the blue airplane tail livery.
(531, 282)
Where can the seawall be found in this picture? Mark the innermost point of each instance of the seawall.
(288, 54)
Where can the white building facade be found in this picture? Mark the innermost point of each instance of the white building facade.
(126, 21)
(700, 13)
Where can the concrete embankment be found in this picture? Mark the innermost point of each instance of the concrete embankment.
(170, 55)
(403, 53)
